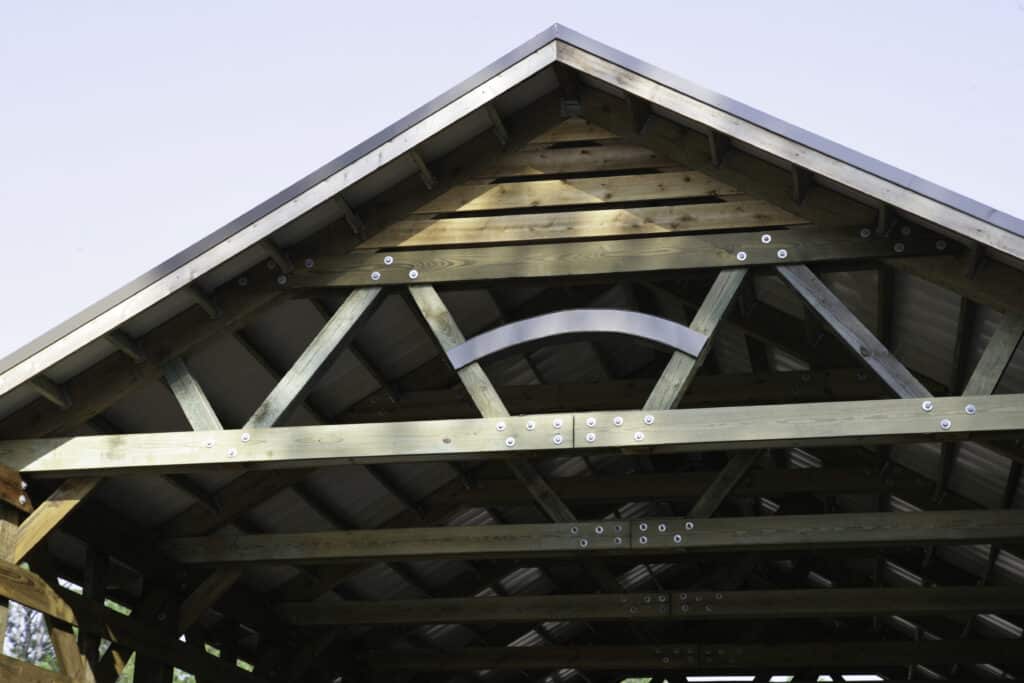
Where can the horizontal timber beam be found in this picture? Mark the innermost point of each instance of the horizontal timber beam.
(694, 657)
(609, 538)
(761, 604)
(722, 428)
(688, 486)
(601, 257)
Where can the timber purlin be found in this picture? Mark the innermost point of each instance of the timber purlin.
(708, 496)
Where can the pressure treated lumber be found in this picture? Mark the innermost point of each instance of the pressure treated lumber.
(600, 257)
(612, 156)
(29, 589)
(668, 606)
(997, 355)
(720, 428)
(573, 225)
(12, 669)
(701, 656)
(50, 513)
(611, 538)
(315, 359)
(682, 368)
(852, 331)
(190, 396)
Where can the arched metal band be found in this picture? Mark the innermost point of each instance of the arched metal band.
(577, 321)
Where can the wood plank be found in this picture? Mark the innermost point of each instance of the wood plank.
(574, 129)
(16, 670)
(852, 331)
(701, 656)
(205, 595)
(664, 606)
(575, 191)
(601, 257)
(299, 379)
(997, 355)
(603, 159)
(583, 224)
(720, 428)
(728, 478)
(51, 513)
(29, 589)
(190, 395)
(153, 643)
(682, 368)
(673, 487)
(584, 540)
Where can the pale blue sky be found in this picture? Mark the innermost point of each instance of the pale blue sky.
(129, 130)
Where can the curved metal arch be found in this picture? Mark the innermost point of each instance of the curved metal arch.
(576, 321)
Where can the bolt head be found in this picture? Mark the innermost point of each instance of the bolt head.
(970, 409)
(309, 263)
(618, 540)
(899, 247)
(22, 499)
(945, 424)
(500, 426)
(24, 485)
(865, 232)
(741, 256)
(591, 437)
(510, 442)
(617, 421)
(584, 543)
(574, 530)
(245, 437)
(209, 443)
(688, 526)
(413, 274)
(232, 452)
(643, 540)
(557, 439)
(678, 538)
(375, 275)
(530, 425)
(599, 530)
(643, 526)
(940, 245)
(648, 419)
(282, 279)
(638, 436)
(388, 260)
(782, 253)
(766, 239)
(557, 423)
(591, 422)
(927, 406)
(662, 528)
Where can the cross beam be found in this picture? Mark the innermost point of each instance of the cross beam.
(658, 537)
(700, 429)
(678, 606)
